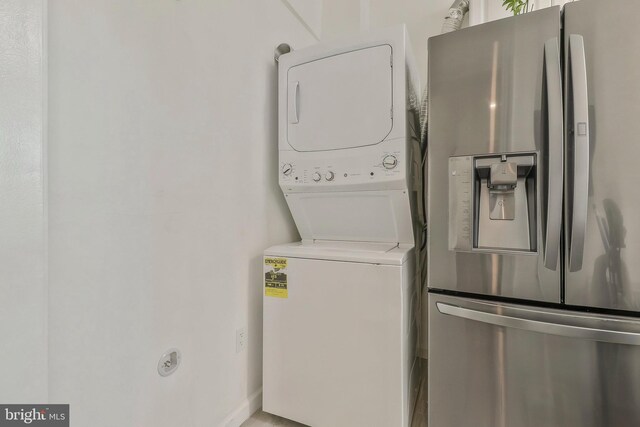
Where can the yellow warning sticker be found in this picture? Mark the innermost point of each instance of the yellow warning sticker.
(275, 277)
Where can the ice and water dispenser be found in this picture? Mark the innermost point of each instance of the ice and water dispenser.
(492, 203)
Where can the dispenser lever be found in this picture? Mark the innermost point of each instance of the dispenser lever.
(503, 177)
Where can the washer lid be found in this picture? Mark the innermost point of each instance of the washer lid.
(371, 253)
(341, 101)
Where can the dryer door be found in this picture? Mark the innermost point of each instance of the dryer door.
(342, 101)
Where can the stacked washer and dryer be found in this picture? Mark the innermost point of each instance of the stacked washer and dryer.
(340, 306)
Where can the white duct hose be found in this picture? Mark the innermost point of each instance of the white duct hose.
(456, 14)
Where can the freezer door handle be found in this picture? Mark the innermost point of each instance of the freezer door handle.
(556, 147)
(570, 331)
(580, 144)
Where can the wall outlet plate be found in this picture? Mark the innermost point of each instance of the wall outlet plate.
(169, 362)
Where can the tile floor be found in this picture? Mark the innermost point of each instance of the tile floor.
(262, 419)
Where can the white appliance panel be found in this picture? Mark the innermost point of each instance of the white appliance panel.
(341, 101)
(339, 350)
(373, 216)
(334, 250)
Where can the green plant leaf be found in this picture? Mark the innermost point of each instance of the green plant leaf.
(517, 6)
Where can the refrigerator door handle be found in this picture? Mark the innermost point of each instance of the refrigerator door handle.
(580, 137)
(571, 331)
(556, 162)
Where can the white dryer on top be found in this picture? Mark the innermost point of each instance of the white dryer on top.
(348, 138)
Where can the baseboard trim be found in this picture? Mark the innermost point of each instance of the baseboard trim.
(243, 412)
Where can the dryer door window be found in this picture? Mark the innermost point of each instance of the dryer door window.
(342, 101)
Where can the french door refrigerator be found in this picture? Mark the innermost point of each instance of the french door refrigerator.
(534, 220)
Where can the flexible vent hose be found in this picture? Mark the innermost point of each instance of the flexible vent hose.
(456, 14)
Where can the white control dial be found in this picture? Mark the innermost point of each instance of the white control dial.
(329, 176)
(287, 168)
(389, 162)
(316, 176)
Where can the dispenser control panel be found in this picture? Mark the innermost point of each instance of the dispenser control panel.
(460, 203)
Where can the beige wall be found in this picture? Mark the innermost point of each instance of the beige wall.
(490, 10)
(23, 292)
(163, 195)
(423, 18)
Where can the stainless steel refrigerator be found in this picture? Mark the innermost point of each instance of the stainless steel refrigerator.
(534, 220)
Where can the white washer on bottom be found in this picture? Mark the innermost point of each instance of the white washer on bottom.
(339, 334)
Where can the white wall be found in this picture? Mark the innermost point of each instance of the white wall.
(423, 18)
(490, 10)
(309, 12)
(163, 194)
(23, 295)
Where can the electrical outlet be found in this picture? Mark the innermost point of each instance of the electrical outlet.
(241, 339)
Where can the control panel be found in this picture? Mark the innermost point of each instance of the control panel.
(460, 203)
(339, 171)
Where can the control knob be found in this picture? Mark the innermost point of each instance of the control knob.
(287, 168)
(329, 176)
(389, 162)
(316, 176)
